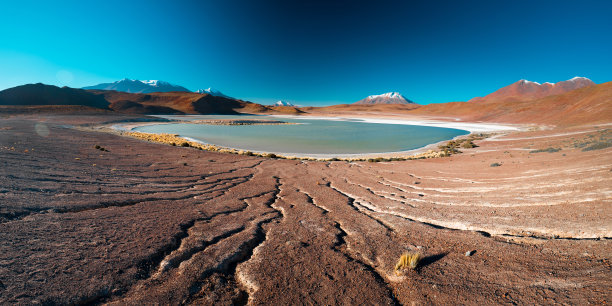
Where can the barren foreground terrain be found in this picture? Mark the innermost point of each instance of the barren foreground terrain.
(133, 222)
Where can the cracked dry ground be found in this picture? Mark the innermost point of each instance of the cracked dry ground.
(145, 223)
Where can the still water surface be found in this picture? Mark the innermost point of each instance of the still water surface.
(309, 136)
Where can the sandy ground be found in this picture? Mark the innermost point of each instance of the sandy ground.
(144, 223)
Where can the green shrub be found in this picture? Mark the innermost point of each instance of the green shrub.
(597, 146)
(468, 144)
(549, 150)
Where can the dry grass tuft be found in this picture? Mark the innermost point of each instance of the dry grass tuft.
(407, 261)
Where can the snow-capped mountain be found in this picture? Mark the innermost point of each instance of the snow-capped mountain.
(386, 98)
(212, 91)
(138, 86)
(282, 103)
(524, 90)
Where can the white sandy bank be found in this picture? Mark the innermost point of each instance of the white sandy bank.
(473, 127)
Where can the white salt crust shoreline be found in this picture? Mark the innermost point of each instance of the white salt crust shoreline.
(472, 127)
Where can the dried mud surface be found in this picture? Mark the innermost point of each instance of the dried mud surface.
(144, 223)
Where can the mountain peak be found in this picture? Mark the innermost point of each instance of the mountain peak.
(524, 90)
(386, 98)
(282, 103)
(213, 92)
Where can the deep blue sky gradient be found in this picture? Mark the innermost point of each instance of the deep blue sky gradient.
(308, 52)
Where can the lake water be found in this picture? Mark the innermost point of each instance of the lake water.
(309, 136)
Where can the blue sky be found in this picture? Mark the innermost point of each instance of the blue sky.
(308, 52)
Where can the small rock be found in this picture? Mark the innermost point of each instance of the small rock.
(470, 253)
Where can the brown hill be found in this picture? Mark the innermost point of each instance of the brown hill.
(41, 94)
(524, 90)
(130, 107)
(286, 110)
(133, 103)
(186, 103)
(592, 104)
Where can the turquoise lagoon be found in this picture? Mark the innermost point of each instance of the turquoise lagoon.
(308, 136)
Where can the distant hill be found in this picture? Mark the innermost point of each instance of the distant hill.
(137, 86)
(586, 105)
(129, 103)
(183, 102)
(41, 94)
(524, 90)
(386, 98)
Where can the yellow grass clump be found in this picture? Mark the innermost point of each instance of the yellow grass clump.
(407, 261)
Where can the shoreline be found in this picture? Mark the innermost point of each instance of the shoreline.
(427, 151)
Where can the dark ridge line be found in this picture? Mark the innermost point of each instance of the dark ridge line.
(311, 200)
(353, 204)
(205, 244)
(244, 294)
(381, 196)
(377, 276)
(228, 266)
(246, 250)
(168, 249)
(145, 266)
(102, 205)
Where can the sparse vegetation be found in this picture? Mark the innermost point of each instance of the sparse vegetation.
(468, 144)
(407, 261)
(597, 146)
(549, 150)
(98, 147)
(452, 146)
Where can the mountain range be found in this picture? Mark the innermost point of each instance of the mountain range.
(138, 86)
(386, 98)
(524, 90)
(572, 102)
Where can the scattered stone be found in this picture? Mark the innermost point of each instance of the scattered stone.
(470, 253)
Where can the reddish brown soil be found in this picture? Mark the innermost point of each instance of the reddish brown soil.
(143, 223)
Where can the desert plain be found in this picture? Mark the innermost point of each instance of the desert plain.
(96, 218)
